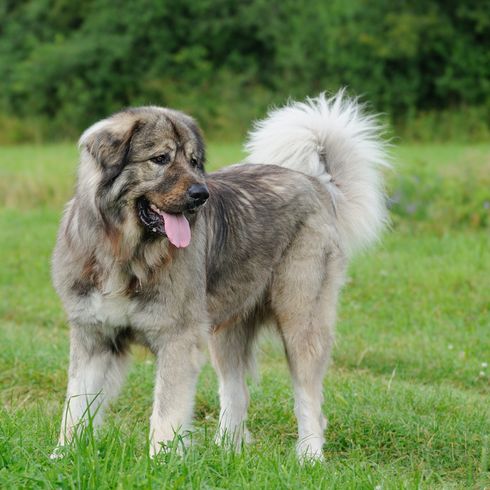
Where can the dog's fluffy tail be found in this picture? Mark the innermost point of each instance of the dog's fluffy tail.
(334, 140)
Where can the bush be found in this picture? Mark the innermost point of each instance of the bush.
(451, 195)
(68, 63)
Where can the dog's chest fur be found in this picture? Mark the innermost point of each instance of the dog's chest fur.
(109, 296)
(109, 309)
(115, 302)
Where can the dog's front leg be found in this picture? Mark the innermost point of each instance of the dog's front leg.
(95, 376)
(179, 360)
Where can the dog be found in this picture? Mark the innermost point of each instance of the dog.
(154, 251)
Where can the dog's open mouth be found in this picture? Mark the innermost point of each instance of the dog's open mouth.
(174, 226)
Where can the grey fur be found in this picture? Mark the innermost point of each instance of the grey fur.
(265, 246)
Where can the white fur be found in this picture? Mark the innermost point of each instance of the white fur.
(93, 382)
(334, 140)
(99, 126)
(233, 394)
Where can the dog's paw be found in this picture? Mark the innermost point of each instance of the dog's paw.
(233, 440)
(310, 450)
(158, 449)
(58, 453)
(177, 445)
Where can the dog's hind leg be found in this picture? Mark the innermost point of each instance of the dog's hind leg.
(304, 303)
(231, 348)
(97, 370)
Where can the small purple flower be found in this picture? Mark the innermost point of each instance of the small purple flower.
(411, 208)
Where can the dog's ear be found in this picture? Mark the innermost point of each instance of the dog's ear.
(109, 141)
(196, 130)
(193, 126)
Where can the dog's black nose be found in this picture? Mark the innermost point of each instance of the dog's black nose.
(198, 193)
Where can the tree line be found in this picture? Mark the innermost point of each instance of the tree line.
(64, 64)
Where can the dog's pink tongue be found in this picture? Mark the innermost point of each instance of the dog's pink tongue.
(177, 229)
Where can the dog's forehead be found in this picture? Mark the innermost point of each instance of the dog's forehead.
(160, 123)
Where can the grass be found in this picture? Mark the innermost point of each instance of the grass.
(407, 396)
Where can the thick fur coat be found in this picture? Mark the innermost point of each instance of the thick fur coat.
(153, 250)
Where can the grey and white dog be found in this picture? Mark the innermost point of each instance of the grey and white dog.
(153, 250)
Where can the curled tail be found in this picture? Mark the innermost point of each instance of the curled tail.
(334, 140)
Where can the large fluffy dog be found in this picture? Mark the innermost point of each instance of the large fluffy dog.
(153, 250)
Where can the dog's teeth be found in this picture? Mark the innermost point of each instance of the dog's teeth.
(158, 211)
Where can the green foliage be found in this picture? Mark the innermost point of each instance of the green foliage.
(66, 64)
(442, 189)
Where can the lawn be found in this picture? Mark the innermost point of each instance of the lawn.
(407, 395)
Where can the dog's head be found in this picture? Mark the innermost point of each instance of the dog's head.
(143, 171)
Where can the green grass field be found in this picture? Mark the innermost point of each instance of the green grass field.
(407, 396)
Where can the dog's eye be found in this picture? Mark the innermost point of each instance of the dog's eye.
(161, 159)
(194, 162)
